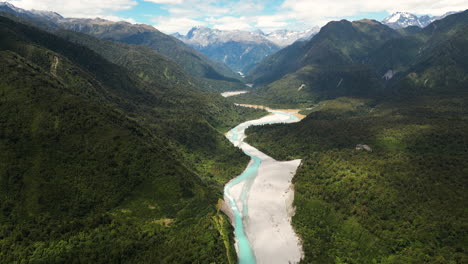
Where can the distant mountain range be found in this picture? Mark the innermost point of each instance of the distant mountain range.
(404, 19)
(209, 74)
(238, 49)
(284, 37)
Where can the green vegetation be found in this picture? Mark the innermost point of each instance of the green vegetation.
(111, 152)
(404, 202)
(214, 76)
(367, 59)
(106, 159)
(404, 199)
(338, 43)
(311, 84)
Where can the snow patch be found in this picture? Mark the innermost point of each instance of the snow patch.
(388, 75)
(394, 18)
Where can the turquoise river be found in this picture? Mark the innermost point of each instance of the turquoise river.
(236, 136)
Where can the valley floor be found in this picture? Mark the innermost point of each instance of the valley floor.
(263, 196)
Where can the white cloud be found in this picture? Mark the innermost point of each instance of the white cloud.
(273, 21)
(320, 11)
(174, 24)
(231, 23)
(81, 8)
(169, 2)
(242, 14)
(225, 15)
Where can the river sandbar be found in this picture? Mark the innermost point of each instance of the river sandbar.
(267, 218)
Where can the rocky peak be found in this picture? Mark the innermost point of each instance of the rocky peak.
(405, 19)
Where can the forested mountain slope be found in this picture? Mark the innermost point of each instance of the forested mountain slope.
(212, 73)
(337, 43)
(383, 178)
(366, 58)
(214, 76)
(99, 162)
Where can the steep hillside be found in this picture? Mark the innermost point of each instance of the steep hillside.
(364, 58)
(101, 165)
(337, 43)
(214, 76)
(427, 62)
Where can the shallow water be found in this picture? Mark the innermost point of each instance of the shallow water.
(246, 179)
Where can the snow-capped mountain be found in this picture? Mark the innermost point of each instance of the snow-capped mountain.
(405, 19)
(285, 37)
(203, 36)
(206, 36)
(7, 7)
(10, 6)
(241, 49)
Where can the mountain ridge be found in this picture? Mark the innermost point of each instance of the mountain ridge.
(280, 37)
(385, 118)
(213, 76)
(399, 20)
(108, 146)
(239, 49)
(359, 58)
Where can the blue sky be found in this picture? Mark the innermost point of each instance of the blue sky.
(180, 15)
(235, 16)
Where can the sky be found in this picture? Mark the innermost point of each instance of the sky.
(180, 16)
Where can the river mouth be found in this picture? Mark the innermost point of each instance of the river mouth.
(260, 200)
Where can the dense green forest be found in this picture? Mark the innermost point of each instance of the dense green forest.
(112, 152)
(212, 76)
(403, 202)
(384, 172)
(107, 160)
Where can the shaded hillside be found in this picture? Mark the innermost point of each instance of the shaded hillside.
(100, 164)
(365, 58)
(213, 75)
(337, 43)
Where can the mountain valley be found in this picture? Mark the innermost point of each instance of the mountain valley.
(341, 144)
(241, 50)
